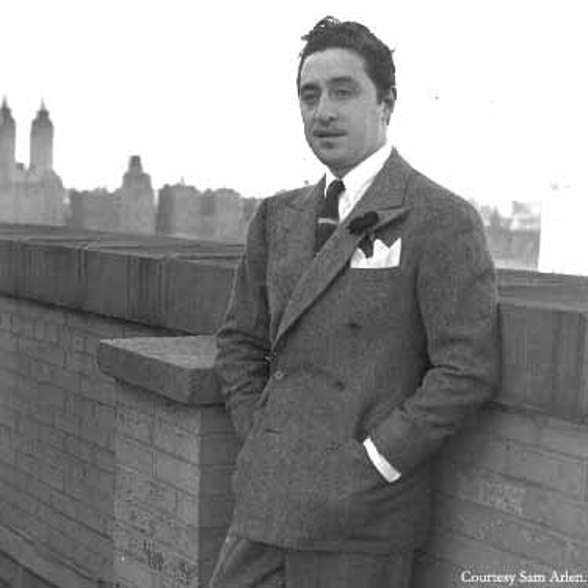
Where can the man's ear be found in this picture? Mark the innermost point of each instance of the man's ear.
(389, 100)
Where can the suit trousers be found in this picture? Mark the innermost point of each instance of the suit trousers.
(243, 563)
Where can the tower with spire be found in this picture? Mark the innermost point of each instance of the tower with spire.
(35, 195)
(41, 160)
(7, 143)
(136, 200)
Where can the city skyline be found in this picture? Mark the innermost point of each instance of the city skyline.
(488, 99)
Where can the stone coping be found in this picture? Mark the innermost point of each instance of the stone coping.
(544, 290)
(545, 358)
(544, 363)
(179, 368)
(177, 284)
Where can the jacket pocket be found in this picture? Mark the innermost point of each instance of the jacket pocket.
(380, 510)
(292, 483)
(302, 484)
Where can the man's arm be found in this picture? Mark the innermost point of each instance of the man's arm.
(243, 340)
(456, 289)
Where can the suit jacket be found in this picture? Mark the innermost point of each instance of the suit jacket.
(315, 355)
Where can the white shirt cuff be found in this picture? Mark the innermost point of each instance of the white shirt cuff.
(388, 472)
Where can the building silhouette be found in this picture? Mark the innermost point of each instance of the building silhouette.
(93, 209)
(129, 209)
(181, 210)
(218, 215)
(513, 239)
(136, 200)
(35, 194)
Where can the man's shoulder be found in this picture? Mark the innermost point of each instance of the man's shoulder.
(292, 196)
(276, 204)
(440, 206)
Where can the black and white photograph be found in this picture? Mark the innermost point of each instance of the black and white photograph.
(293, 295)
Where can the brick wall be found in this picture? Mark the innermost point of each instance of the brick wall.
(512, 487)
(172, 491)
(57, 441)
(512, 493)
(123, 480)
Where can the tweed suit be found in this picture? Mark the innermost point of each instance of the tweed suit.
(315, 355)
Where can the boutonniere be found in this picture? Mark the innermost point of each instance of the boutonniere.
(364, 224)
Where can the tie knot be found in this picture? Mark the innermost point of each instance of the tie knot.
(334, 190)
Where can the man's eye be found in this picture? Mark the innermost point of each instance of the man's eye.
(342, 93)
(309, 97)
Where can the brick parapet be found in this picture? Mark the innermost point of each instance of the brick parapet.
(511, 497)
(544, 359)
(512, 486)
(172, 499)
(179, 368)
(116, 454)
(58, 416)
(172, 283)
(156, 281)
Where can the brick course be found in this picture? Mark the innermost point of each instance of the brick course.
(58, 418)
(169, 457)
(511, 496)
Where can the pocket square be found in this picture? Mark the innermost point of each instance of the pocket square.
(383, 256)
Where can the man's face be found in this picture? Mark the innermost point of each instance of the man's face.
(343, 121)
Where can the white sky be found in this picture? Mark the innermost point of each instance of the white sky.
(206, 90)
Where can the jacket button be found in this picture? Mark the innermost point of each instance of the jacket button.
(279, 375)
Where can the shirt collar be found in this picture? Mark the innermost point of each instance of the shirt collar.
(364, 172)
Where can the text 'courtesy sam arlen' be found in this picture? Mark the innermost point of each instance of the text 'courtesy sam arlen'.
(520, 577)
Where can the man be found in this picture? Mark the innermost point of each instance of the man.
(361, 330)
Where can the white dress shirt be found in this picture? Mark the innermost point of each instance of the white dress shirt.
(357, 181)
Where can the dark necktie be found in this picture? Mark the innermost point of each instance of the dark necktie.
(328, 217)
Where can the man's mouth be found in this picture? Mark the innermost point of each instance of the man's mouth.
(328, 134)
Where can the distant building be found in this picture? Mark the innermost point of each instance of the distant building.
(177, 207)
(35, 195)
(514, 239)
(218, 215)
(182, 211)
(136, 200)
(526, 216)
(130, 209)
(93, 209)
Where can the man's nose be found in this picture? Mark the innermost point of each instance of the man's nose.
(325, 111)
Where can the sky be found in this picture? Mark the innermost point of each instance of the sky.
(492, 94)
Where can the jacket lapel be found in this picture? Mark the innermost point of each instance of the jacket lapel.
(294, 247)
(385, 196)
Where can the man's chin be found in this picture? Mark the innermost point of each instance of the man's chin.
(329, 155)
(334, 161)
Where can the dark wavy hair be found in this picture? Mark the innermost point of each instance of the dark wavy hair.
(330, 32)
